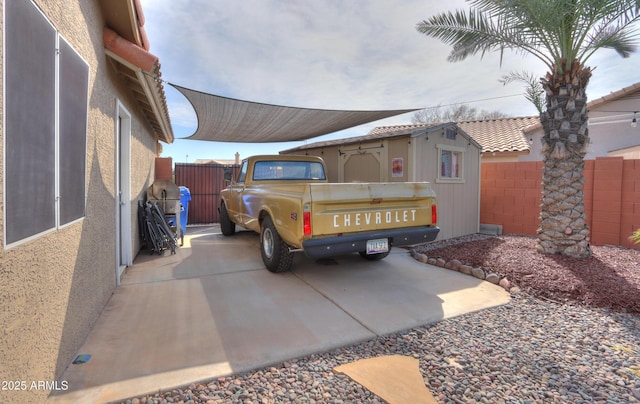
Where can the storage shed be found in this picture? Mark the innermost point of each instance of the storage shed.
(442, 154)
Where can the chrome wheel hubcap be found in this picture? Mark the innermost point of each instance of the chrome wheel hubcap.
(267, 242)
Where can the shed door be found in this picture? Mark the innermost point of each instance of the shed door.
(361, 166)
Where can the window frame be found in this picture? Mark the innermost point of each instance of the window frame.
(59, 158)
(73, 189)
(285, 165)
(459, 179)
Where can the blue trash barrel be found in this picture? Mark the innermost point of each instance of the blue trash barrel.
(185, 197)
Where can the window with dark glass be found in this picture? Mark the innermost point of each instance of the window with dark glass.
(46, 87)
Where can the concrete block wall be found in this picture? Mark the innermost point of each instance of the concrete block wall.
(606, 201)
(589, 169)
(630, 201)
(510, 197)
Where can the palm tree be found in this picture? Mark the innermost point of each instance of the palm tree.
(563, 34)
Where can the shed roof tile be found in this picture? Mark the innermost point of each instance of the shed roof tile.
(494, 135)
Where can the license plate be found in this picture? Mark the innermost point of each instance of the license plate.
(377, 246)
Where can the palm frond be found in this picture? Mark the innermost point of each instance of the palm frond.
(611, 38)
(614, 31)
(558, 32)
(533, 92)
(477, 33)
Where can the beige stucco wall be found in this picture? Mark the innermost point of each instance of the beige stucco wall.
(53, 288)
(630, 153)
(612, 131)
(143, 149)
(507, 157)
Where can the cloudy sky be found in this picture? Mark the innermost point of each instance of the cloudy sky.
(331, 54)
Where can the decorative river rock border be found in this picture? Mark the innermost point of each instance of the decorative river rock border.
(478, 272)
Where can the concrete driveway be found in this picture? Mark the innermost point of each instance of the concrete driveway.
(213, 309)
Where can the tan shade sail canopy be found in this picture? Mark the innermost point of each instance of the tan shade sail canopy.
(222, 119)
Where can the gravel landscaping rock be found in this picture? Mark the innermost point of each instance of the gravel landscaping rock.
(534, 349)
(610, 278)
(528, 351)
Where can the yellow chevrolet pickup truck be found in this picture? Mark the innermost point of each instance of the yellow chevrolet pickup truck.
(290, 203)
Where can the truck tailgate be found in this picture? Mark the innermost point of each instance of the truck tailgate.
(356, 207)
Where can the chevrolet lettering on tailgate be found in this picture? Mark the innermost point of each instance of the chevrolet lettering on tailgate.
(289, 201)
(348, 220)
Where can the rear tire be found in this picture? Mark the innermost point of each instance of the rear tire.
(227, 227)
(374, 257)
(275, 252)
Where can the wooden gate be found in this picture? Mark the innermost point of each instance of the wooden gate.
(205, 181)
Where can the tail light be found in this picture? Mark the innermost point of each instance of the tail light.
(434, 214)
(306, 220)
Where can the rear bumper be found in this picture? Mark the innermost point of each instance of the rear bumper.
(350, 243)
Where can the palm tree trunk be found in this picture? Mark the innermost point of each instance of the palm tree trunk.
(563, 228)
